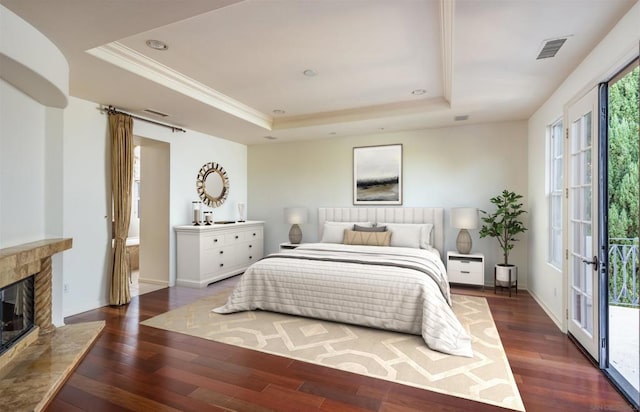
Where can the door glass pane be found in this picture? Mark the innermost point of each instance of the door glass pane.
(581, 242)
(577, 307)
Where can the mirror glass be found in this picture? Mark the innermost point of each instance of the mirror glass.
(212, 184)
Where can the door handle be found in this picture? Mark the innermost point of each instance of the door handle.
(593, 262)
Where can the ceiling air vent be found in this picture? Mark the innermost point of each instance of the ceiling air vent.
(155, 112)
(550, 48)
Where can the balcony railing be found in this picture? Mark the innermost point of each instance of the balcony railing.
(623, 272)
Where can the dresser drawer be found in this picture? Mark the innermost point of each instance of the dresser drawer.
(212, 241)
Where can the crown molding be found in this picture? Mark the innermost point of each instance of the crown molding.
(128, 59)
(362, 113)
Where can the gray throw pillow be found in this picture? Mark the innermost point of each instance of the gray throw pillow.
(359, 228)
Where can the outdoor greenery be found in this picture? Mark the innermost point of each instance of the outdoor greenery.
(623, 157)
(623, 189)
(504, 223)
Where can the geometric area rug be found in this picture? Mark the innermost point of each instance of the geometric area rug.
(391, 356)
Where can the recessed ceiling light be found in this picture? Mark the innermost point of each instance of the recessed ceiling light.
(310, 73)
(418, 92)
(157, 45)
(278, 111)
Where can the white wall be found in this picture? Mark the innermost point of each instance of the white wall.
(23, 128)
(87, 207)
(546, 283)
(87, 204)
(448, 167)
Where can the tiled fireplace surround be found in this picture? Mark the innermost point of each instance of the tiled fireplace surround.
(32, 371)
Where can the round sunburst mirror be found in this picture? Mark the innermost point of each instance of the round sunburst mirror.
(212, 184)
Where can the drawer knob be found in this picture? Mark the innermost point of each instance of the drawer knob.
(215, 240)
(250, 257)
(250, 246)
(236, 236)
(254, 234)
(465, 271)
(221, 264)
(222, 251)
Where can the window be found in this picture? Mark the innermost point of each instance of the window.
(556, 145)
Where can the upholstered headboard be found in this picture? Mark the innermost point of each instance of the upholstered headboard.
(433, 215)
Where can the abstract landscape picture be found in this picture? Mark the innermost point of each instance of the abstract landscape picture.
(377, 172)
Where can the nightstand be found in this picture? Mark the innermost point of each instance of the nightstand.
(288, 246)
(465, 269)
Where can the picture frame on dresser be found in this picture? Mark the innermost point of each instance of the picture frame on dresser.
(377, 175)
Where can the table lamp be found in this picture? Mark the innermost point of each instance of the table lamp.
(294, 216)
(464, 218)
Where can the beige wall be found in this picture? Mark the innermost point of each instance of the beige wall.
(154, 209)
(448, 167)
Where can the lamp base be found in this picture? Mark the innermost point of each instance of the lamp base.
(463, 242)
(295, 234)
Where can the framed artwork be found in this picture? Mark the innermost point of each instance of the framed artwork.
(377, 175)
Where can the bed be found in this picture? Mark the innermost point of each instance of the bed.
(401, 287)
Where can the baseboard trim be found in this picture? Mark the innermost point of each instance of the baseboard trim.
(548, 311)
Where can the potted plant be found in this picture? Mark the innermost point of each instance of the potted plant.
(504, 224)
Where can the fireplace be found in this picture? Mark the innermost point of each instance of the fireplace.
(36, 357)
(17, 305)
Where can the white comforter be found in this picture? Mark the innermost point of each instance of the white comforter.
(384, 288)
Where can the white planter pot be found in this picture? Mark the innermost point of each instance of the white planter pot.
(503, 273)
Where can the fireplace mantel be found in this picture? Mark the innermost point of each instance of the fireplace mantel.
(21, 261)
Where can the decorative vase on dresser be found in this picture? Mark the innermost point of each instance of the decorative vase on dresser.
(207, 254)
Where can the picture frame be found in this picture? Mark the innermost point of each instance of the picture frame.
(377, 175)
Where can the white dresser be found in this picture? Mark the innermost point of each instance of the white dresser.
(207, 254)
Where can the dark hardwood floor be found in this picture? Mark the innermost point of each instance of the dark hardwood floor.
(137, 368)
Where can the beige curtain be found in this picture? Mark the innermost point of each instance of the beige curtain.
(120, 128)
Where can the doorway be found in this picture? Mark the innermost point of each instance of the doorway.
(620, 314)
(150, 213)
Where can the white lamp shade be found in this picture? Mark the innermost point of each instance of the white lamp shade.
(464, 217)
(295, 215)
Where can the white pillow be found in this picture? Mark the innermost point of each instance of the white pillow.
(333, 232)
(415, 235)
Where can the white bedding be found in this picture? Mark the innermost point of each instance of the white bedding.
(363, 287)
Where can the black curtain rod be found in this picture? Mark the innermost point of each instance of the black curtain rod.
(111, 109)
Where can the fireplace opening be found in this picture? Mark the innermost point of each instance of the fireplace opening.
(16, 312)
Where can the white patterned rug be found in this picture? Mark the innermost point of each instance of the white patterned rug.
(380, 354)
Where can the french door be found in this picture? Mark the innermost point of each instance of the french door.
(582, 210)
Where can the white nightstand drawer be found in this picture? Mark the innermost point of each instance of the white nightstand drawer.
(466, 277)
(465, 265)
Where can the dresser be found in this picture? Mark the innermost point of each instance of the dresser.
(466, 269)
(207, 254)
